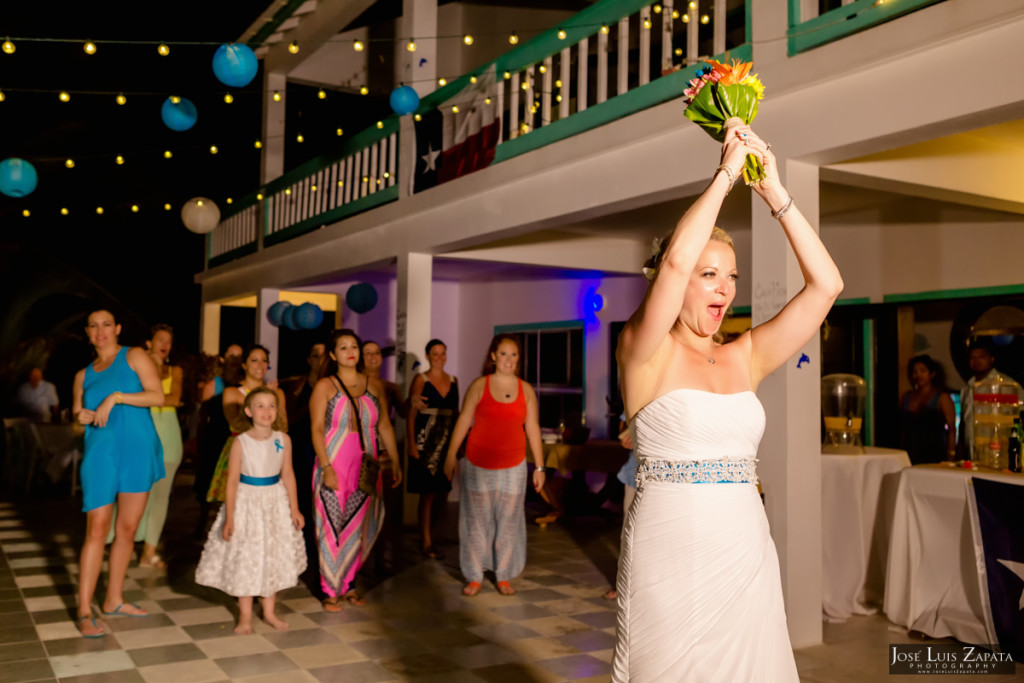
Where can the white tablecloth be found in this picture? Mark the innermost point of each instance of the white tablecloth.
(858, 494)
(933, 579)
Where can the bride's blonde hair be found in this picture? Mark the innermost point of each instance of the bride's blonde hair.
(660, 245)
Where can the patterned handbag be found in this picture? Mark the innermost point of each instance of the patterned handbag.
(369, 468)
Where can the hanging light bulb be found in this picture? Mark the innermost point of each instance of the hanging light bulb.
(213, 149)
(647, 23)
(163, 50)
(704, 19)
(442, 81)
(455, 109)
(543, 69)
(99, 210)
(175, 99)
(167, 154)
(679, 52)
(119, 160)
(167, 207)
(467, 39)
(299, 138)
(525, 84)
(312, 188)
(287, 191)
(2, 96)
(558, 83)
(417, 117)
(487, 100)
(562, 34)
(228, 98)
(657, 9)
(70, 163)
(675, 14)
(8, 47)
(605, 29)
(341, 183)
(276, 96)
(26, 213)
(89, 47)
(358, 46)
(64, 96)
(135, 208)
(686, 18)
(380, 124)
(64, 212)
(411, 45)
(339, 132)
(558, 98)
(513, 39)
(692, 5)
(121, 99)
(322, 94)
(259, 196)
(472, 79)
(293, 47)
(229, 200)
(364, 90)
(257, 144)
(507, 75)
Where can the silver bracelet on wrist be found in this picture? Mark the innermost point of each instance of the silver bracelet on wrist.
(777, 215)
(730, 174)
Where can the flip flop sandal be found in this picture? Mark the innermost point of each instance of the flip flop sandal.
(471, 589)
(92, 621)
(353, 599)
(118, 613)
(505, 588)
(155, 562)
(330, 606)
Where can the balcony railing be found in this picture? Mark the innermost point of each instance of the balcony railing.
(613, 59)
(809, 27)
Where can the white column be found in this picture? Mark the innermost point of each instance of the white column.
(412, 329)
(790, 452)
(209, 329)
(267, 334)
(418, 69)
(272, 158)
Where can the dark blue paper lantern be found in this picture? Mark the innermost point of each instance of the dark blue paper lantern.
(309, 316)
(361, 298)
(289, 318)
(235, 65)
(404, 100)
(275, 314)
(17, 177)
(180, 115)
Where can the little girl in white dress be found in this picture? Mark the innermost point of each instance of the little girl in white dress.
(255, 546)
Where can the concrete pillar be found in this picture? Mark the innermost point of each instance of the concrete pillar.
(272, 159)
(266, 334)
(412, 326)
(418, 69)
(790, 452)
(209, 329)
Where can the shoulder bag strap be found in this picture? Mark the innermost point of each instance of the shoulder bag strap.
(355, 409)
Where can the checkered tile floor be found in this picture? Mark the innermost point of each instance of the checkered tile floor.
(416, 626)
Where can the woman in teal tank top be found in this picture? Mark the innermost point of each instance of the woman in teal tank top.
(123, 459)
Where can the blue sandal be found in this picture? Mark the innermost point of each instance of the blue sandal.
(118, 613)
(94, 625)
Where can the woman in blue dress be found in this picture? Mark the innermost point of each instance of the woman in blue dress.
(123, 459)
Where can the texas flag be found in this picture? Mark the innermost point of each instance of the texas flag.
(1000, 521)
(452, 143)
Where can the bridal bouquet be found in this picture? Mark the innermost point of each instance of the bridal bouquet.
(721, 92)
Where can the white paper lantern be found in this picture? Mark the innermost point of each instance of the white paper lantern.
(200, 215)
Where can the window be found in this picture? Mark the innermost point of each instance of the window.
(553, 362)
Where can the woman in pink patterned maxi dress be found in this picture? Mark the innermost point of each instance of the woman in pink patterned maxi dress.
(348, 519)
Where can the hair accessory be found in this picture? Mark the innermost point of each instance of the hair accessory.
(730, 174)
(777, 215)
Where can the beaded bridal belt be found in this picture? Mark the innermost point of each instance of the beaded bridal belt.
(721, 471)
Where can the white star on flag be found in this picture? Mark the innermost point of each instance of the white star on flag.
(1018, 569)
(430, 158)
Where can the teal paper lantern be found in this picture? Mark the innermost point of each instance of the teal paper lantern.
(288, 318)
(361, 297)
(17, 177)
(235, 65)
(309, 316)
(275, 313)
(404, 100)
(180, 115)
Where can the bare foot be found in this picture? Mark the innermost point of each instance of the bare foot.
(243, 629)
(610, 595)
(272, 620)
(505, 588)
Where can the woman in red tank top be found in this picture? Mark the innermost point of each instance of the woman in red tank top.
(502, 409)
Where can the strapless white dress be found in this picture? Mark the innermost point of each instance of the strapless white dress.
(700, 597)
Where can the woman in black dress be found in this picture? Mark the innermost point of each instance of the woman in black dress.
(429, 430)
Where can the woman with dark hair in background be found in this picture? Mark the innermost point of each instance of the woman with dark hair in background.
(123, 459)
(428, 431)
(502, 410)
(347, 411)
(928, 431)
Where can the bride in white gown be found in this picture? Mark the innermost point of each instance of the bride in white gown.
(700, 597)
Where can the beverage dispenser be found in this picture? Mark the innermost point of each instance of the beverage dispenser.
(842, 405)
(995, 406)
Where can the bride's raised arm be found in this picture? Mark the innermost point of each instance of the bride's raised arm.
(777, 340)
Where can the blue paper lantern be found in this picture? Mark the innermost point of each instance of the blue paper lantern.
(404, 100)
(17, 177)
(275, 313)
(288, 318)
(180, 115)
(235, 65)
(361, 297)
(309, 316)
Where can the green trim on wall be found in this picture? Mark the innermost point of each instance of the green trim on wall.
(370, 201)
(556, 325)
(844, 21)
(940, 294)
(238, 252)
(279, 18)
(868, 372)
(854, 301)
(741, 310)
(657, 91)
